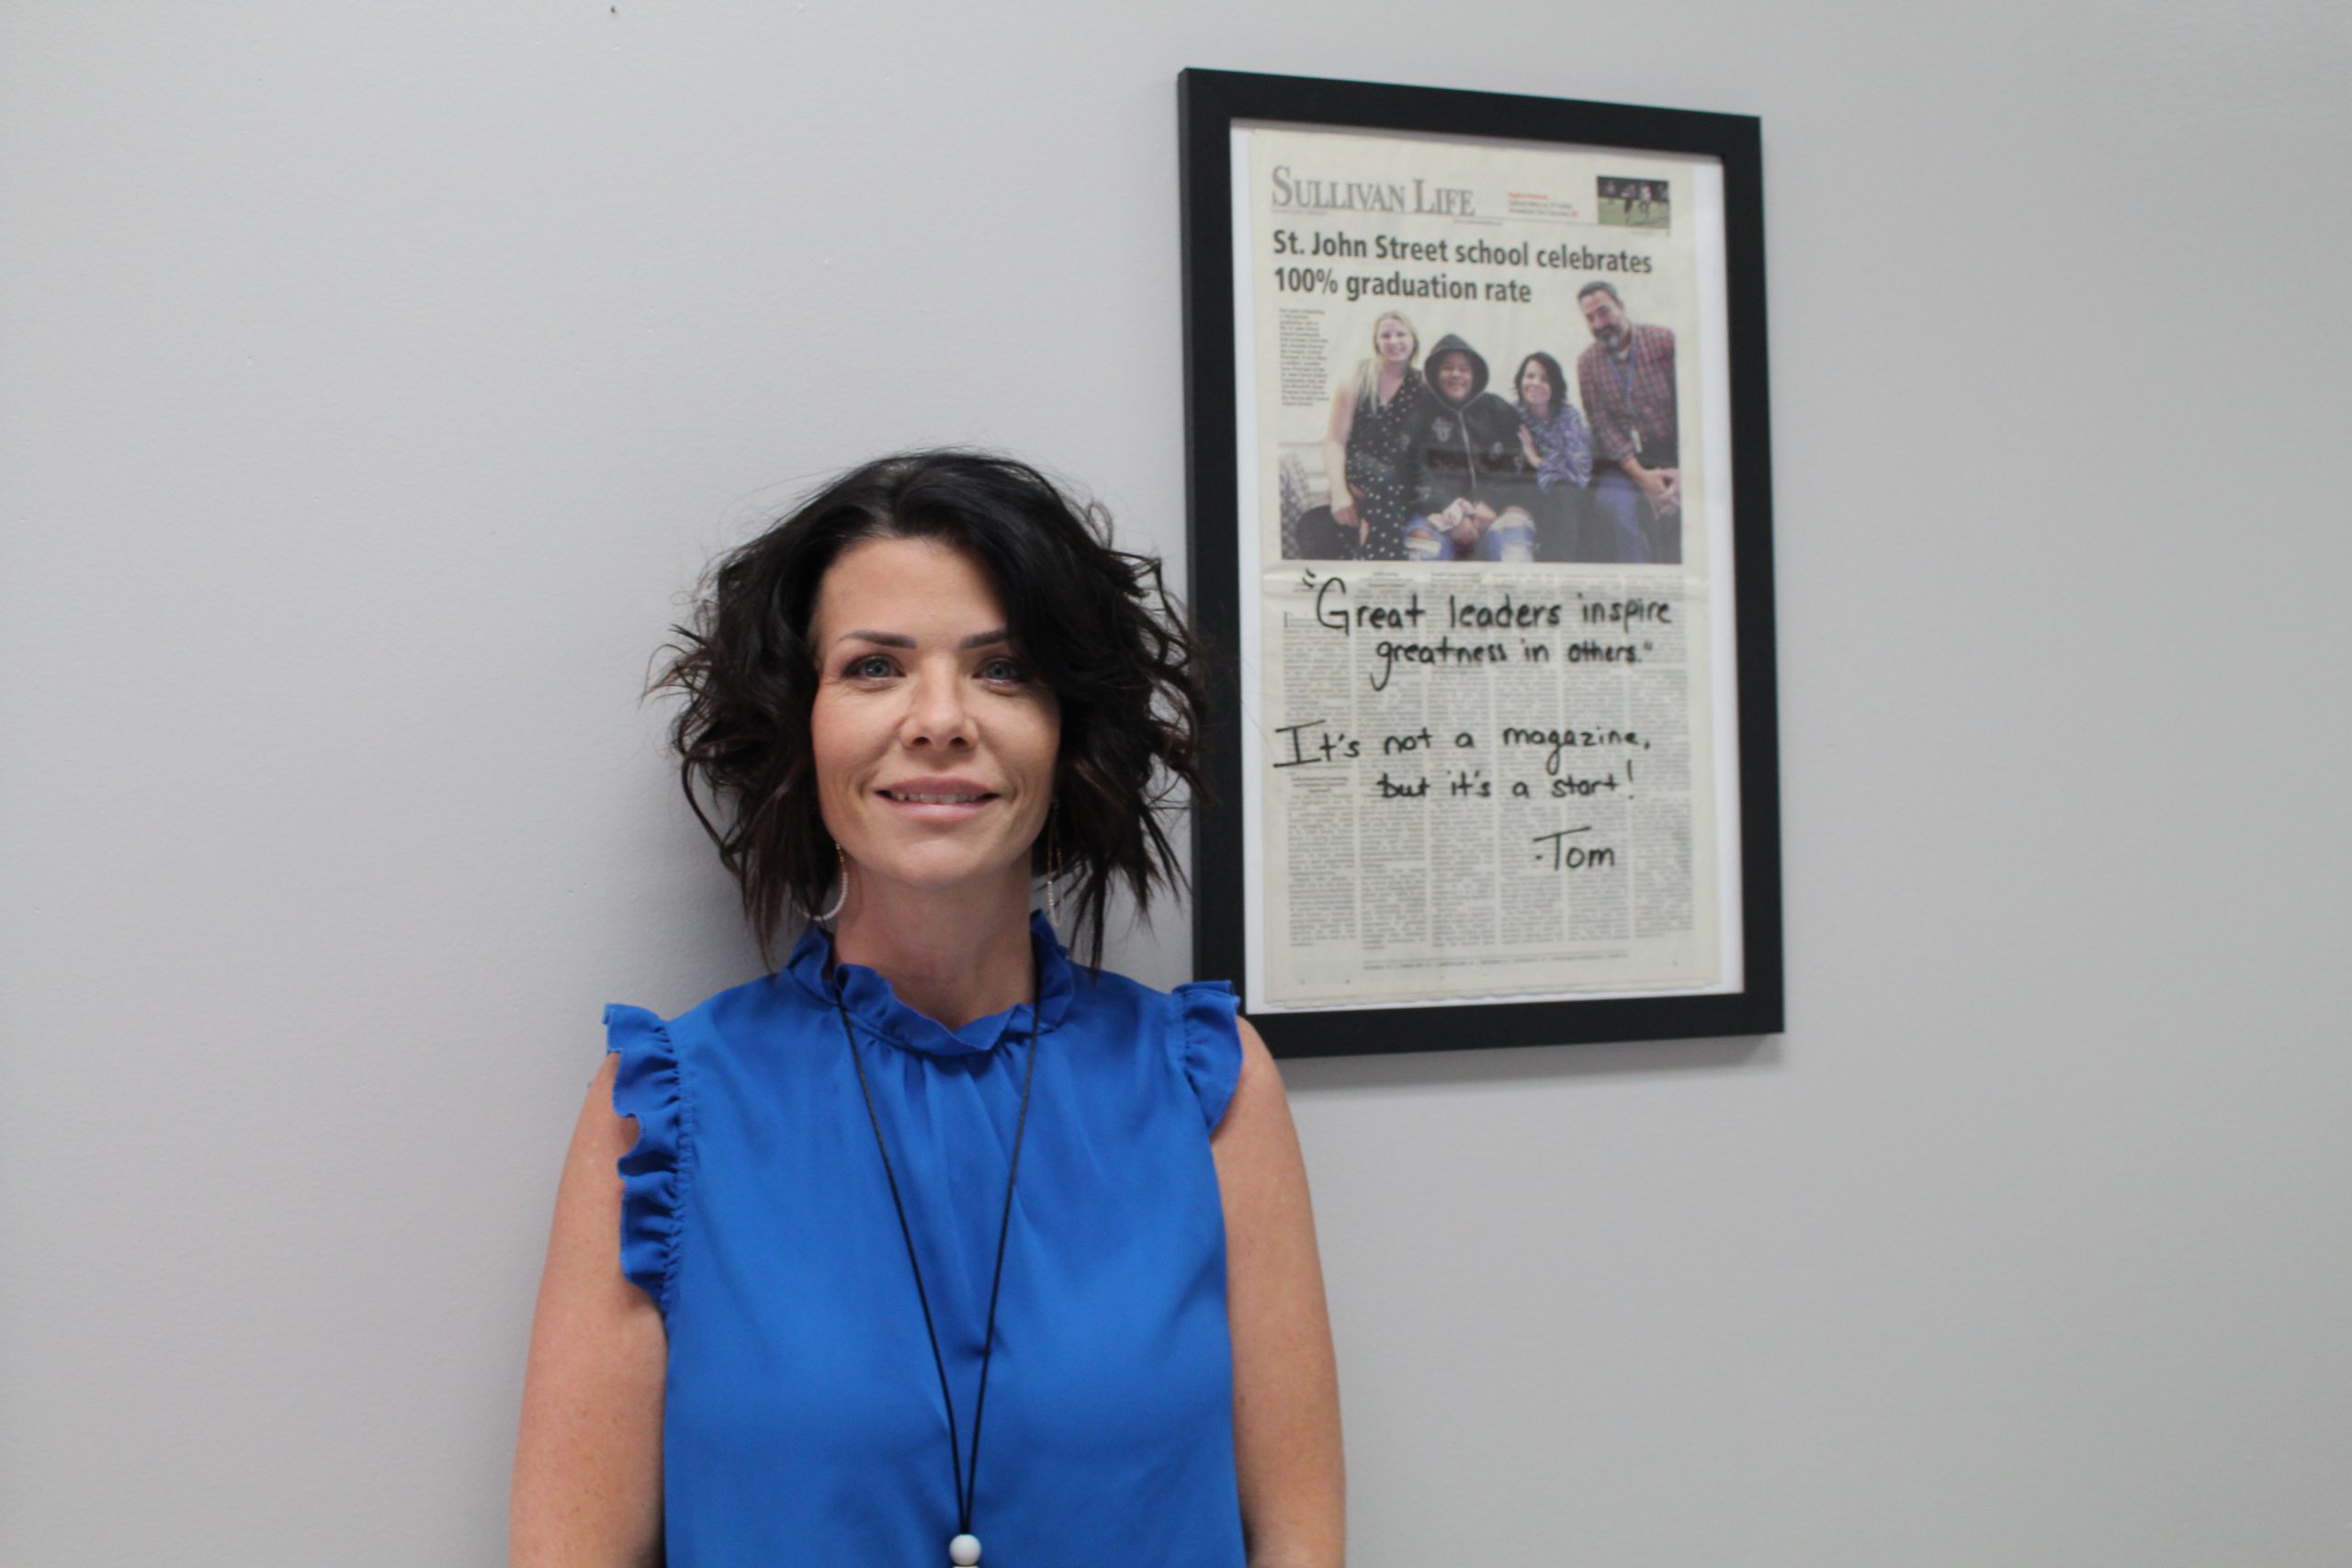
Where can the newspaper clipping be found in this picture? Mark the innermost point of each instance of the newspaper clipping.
(1486, 759)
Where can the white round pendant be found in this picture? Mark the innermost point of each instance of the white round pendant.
(964, 1552)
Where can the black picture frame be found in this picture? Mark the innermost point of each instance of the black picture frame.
(1211, 103)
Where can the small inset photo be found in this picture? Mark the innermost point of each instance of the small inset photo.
(1631, 203)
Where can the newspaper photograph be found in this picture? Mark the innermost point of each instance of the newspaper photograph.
(1482, 616)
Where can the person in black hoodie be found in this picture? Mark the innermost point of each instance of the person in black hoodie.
(1476, 491)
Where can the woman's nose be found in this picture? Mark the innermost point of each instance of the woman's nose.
(938, 713)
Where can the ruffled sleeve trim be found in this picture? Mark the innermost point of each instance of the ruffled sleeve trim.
(1212, 1039)
(646, 1086)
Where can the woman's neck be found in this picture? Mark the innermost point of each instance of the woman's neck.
(953, 955)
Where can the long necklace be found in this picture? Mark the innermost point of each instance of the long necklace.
(963, 1551)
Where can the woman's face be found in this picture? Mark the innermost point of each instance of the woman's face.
(1394, 341)
(1534, 387)
(934, 743)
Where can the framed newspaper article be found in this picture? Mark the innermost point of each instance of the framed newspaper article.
(1480, 499)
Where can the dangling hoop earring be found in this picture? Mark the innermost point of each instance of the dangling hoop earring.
(1053, 873)
(841, 897)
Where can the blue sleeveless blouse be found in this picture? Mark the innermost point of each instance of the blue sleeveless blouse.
(802, 1421)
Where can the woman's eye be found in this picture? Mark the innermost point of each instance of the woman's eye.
(866, 667)
(1003, 669)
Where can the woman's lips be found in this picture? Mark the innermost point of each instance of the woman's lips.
(937, 799)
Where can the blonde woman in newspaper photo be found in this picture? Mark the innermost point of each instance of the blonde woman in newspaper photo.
(1368, 450)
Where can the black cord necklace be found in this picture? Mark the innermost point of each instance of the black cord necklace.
(962, 1551)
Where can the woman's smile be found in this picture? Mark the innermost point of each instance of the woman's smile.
(951, 800)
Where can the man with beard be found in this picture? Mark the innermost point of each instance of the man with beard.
(1476, 494)
(1626, 379)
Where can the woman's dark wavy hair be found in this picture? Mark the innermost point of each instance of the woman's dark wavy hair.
(1551, 373)
(1095, 624)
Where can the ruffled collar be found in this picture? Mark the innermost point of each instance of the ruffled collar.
(877, 1010)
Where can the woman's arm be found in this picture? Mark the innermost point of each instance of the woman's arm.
(1575, 452)
(587, 1486)
(1534, 455)
(1335, 454)
(1285, 1384)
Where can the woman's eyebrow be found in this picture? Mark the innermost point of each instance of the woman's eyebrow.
(894, 639)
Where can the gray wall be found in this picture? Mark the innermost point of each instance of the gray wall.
(373, 379)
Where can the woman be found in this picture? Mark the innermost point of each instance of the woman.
(1558, 446)
(1368, 450)
(931, 1172)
